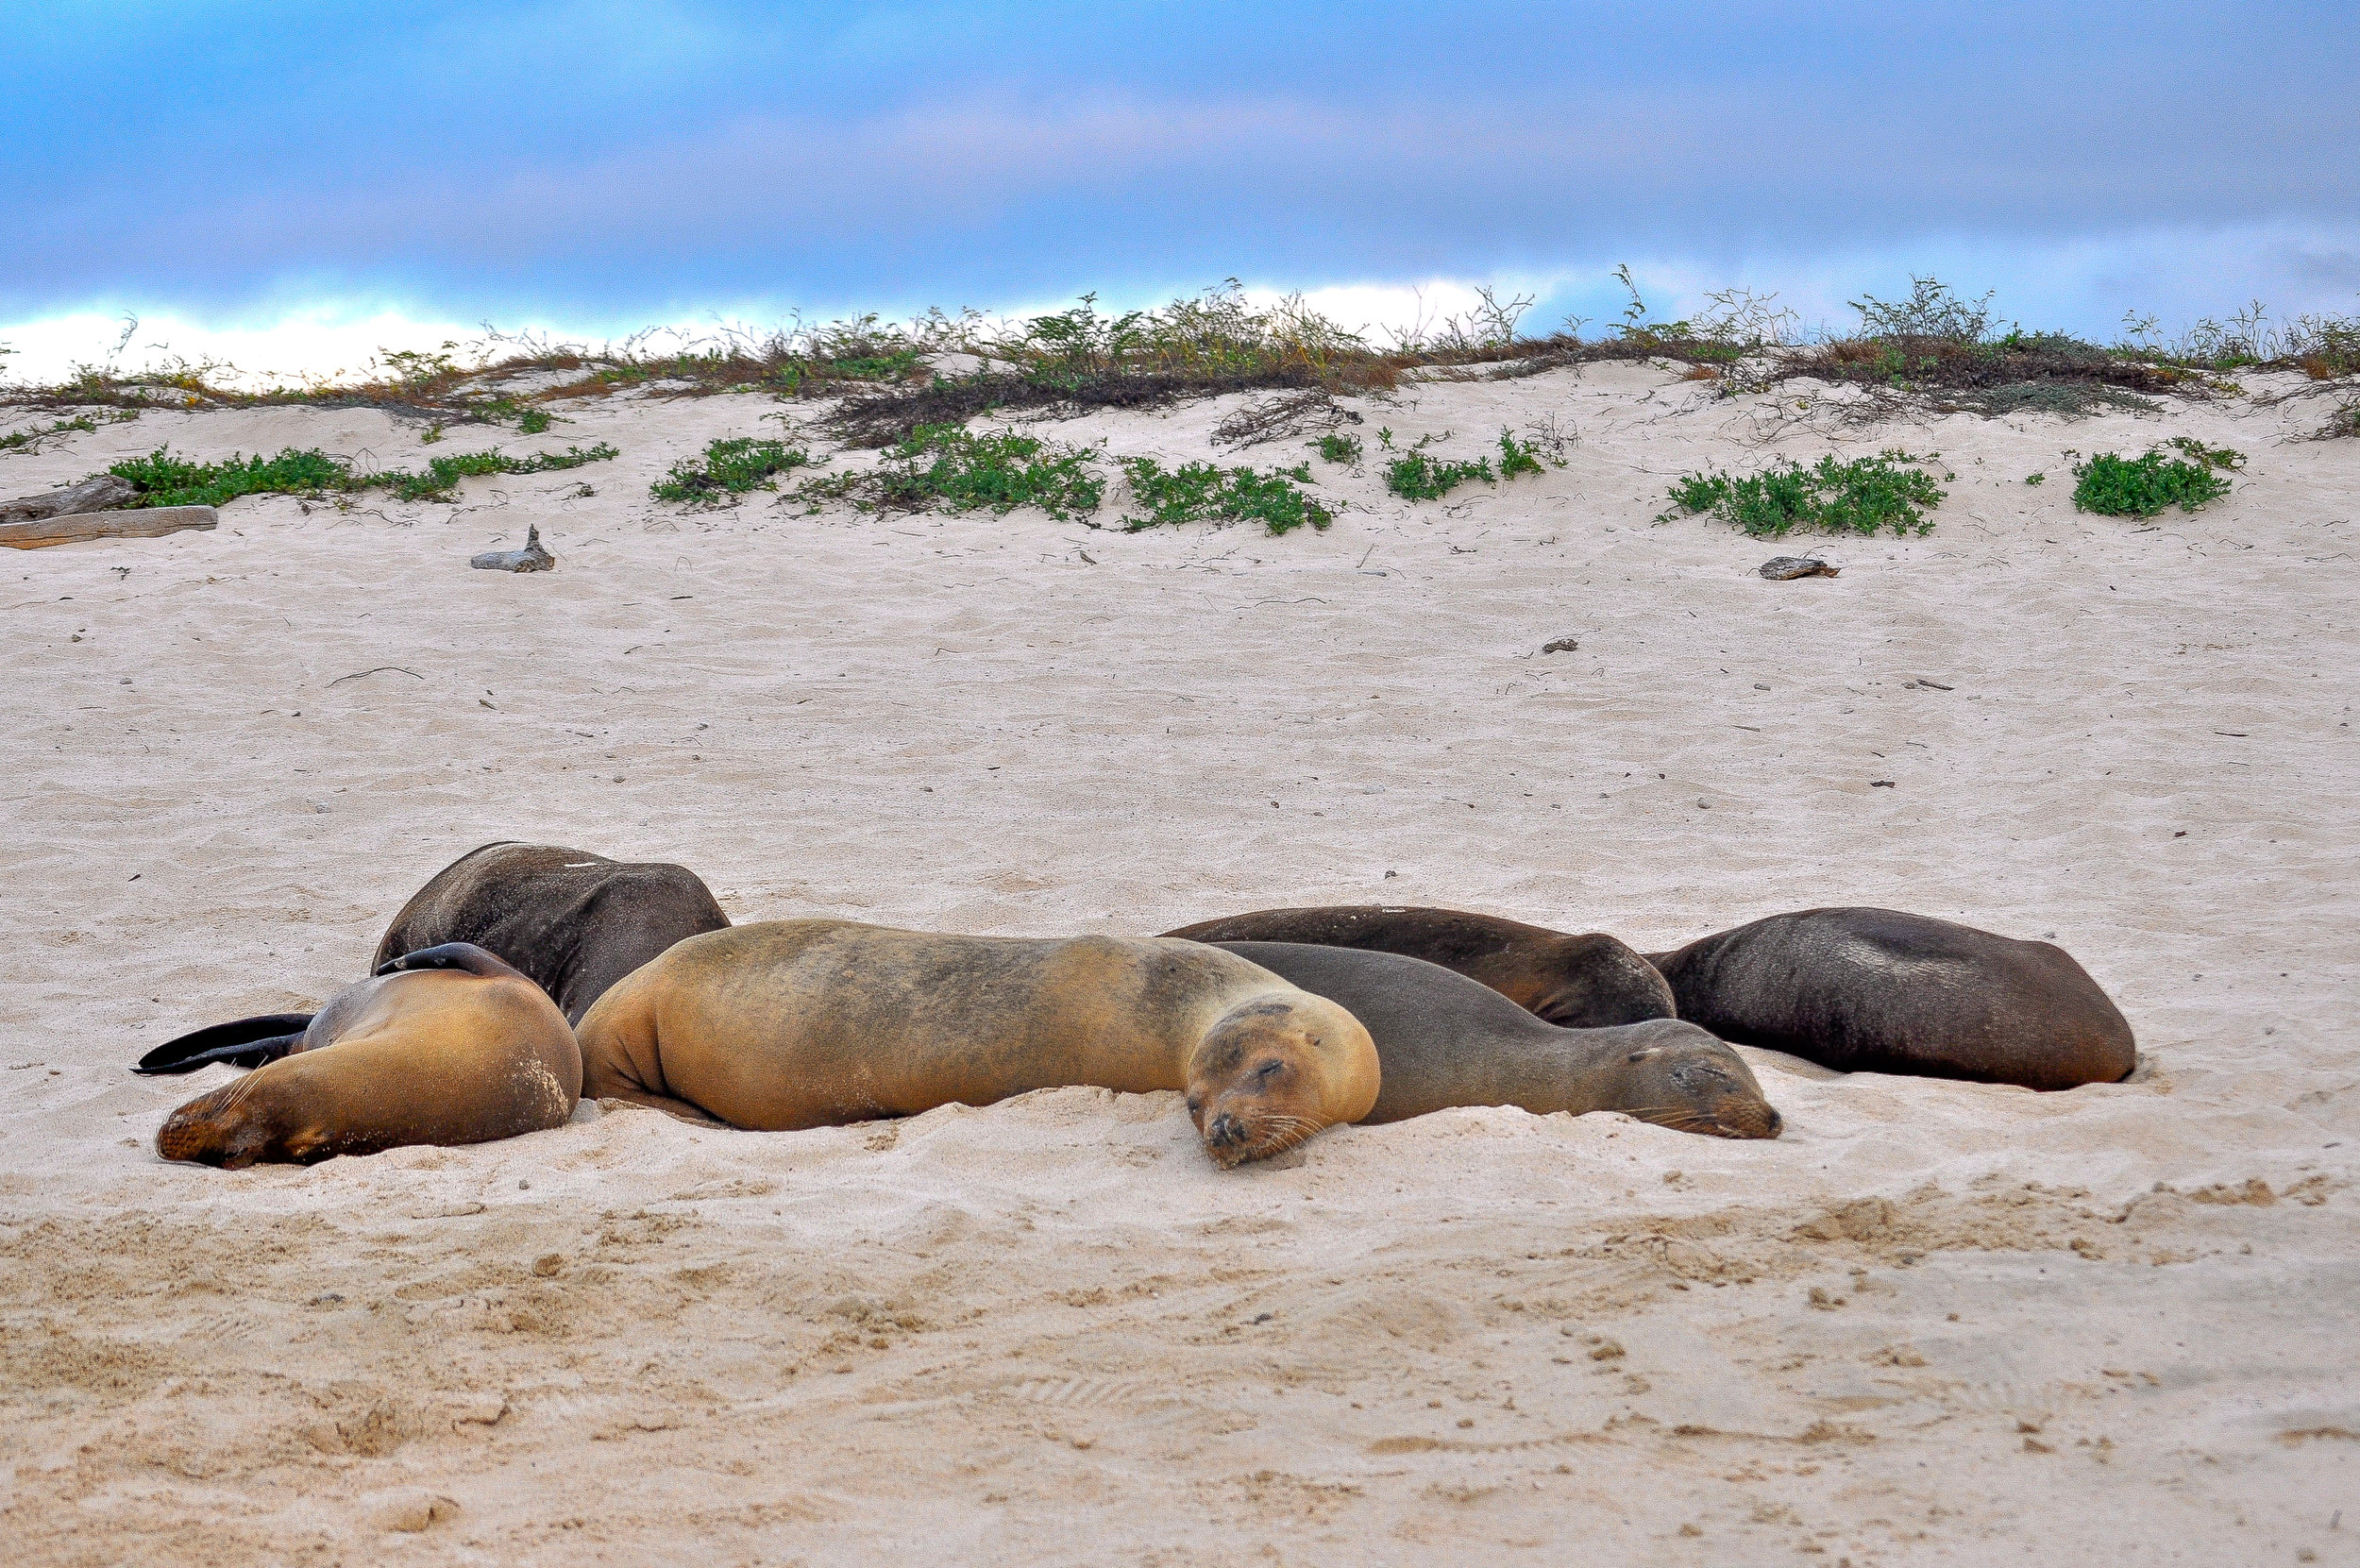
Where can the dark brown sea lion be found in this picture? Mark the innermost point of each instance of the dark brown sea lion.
(1444, 1039)
(1877, 990)
(575, 922)
(814, 1022)
(1574, 982)
(448, 1046)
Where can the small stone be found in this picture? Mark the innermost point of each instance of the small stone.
(1785, 569)
(410, 1512)
(1562, 644)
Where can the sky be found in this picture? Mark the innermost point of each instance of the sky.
(290, 185)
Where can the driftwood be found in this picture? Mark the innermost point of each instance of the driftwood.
(102, 494)
(1786, 568)
(533, 558)
(145, 523)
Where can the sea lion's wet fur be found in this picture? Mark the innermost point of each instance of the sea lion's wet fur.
(1584, 982)
(816, 1022)
(1877, 990)
(572, 921)
(444, 1055)
(1444, 1039)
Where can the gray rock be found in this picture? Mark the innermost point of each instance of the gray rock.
(102, 494)
(1785, 569)
(533, 558)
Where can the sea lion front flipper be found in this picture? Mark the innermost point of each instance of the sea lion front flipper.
(465, 956)
(245, 1043)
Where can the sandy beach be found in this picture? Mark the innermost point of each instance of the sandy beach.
(1933, 1323)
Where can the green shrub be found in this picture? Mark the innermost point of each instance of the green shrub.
(2114, 486)
(1860, 497)
(167, 481)
(1340, 446)
(1415, 477)
(946, 465)
(1519, 457)
(731, 466)
(1205, 491)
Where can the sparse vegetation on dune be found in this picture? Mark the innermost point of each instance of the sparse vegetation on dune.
(2114, 486)
(913, 388)
(1206, 492)
(165, 480)
(958, 470)
(1863, 496)
(731, 466)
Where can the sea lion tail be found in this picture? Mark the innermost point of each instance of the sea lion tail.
(246, 1042)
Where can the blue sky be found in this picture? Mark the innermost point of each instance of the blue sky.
(599, 166)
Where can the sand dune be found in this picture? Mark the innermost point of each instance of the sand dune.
(1934, 1321)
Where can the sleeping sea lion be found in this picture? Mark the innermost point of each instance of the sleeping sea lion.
(1574, 982)
(1877, 990)
(571, 921)
(1444, 1039)
(447, 1046)
(815, 1022)
(574, 922)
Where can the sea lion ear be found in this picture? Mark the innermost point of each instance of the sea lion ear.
(464, 956)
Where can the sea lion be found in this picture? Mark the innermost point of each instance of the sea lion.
(447, 1046)
(1877, 990)
(1586, 982)
(1444, 1039)
(815, 1022)
(573, 922)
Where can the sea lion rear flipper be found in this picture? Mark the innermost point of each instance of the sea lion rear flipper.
(449, 956)
(245, 1043)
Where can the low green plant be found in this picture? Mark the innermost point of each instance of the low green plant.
(2037, 478)
(163, 480)
(2116, 486)
(1206, 492)
(952, 468)
(1415, 477)
(1860, 497)
(22, 440)
(1521, 457)
(2211, 457)
(730, 466)
(1340, 446)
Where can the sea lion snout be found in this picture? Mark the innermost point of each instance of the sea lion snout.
(1681, 1077)
(220, 1129)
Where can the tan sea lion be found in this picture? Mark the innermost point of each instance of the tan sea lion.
(573, 922)
(1586, 982)
(1878, 990)
(1444, 1040)
(447, 1046)
(816, 1022)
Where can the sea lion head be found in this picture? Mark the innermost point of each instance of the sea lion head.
(243, 1123)
(233, 1126)
(1275, 1071)
(1676, 1076)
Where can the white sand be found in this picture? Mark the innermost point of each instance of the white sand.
(1933, 1322)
